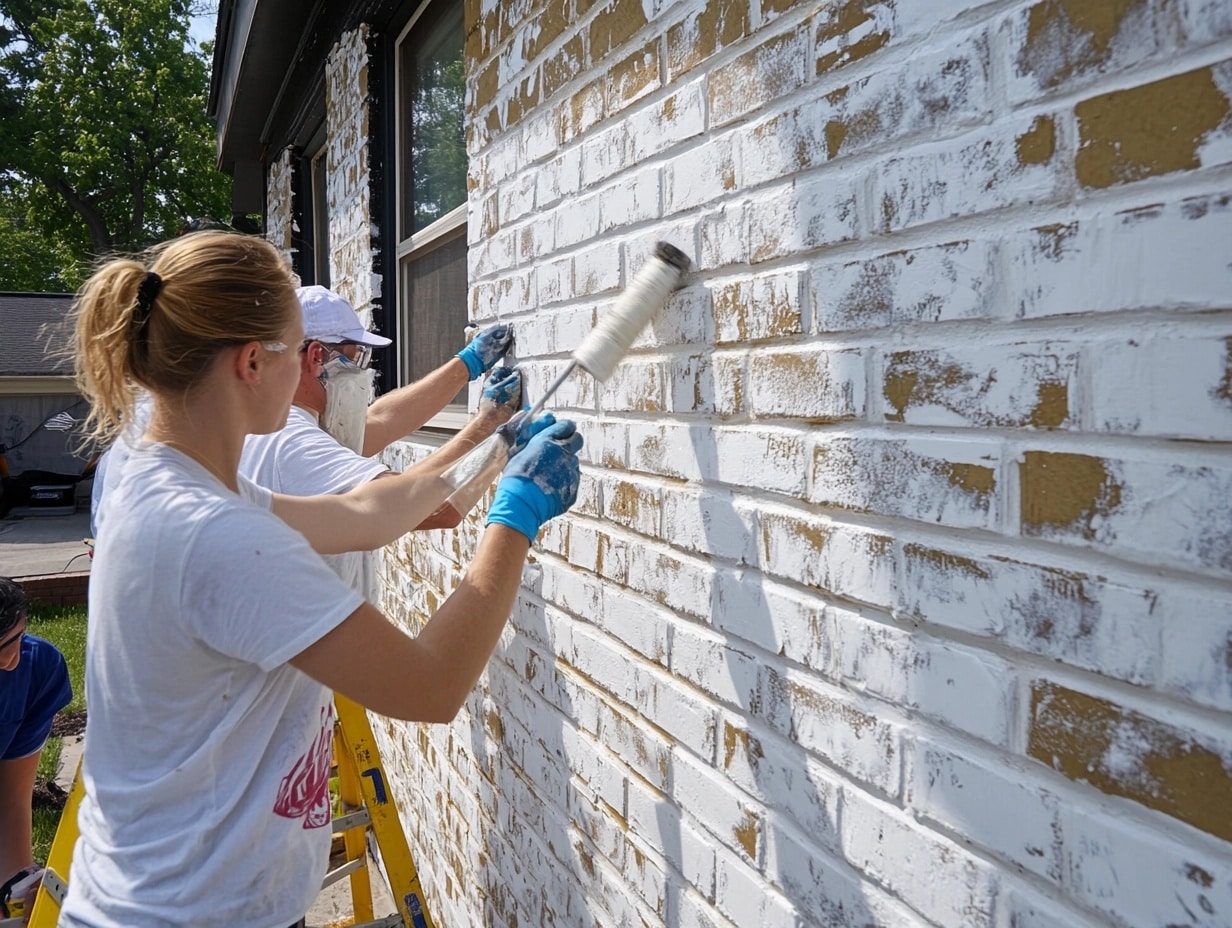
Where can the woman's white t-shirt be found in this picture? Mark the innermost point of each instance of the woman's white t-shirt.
(207, 755)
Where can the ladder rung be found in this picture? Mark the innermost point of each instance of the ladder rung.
(352, 820)
(389, 921)
(344, 870)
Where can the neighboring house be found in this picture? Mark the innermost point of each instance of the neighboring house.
(899, 590)
(36, 383)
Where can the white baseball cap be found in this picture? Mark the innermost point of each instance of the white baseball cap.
(330, 318)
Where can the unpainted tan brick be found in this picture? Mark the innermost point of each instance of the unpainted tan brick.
(1124, 753)
(1065, 491)
(615, 25)
(834, 25)
(1067, 38)
(564, 66)
(633, 77)
(1146, 131)
(772, 70)
(695, 39)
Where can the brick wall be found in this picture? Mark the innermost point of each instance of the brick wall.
(899, 587)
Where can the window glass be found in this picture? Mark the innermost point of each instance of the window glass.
(433, 110)
(432, 264)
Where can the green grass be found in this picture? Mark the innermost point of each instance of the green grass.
(65, 627)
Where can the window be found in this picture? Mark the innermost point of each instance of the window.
(310, 237)
(432, 284)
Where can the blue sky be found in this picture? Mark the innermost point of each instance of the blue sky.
(202, 27)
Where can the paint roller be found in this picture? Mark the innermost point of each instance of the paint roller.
(598, 355)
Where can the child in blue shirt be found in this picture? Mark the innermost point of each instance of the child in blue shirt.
(34, 686)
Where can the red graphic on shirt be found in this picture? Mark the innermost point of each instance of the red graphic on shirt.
(304, 792)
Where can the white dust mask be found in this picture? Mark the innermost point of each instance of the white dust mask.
(348, 392)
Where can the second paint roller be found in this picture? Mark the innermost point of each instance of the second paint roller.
(598, 355)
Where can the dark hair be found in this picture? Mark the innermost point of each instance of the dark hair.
(13, 604)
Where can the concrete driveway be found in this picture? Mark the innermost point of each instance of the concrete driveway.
(32, 546)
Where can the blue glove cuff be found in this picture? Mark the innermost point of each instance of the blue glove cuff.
(470, 357)
(520, 505)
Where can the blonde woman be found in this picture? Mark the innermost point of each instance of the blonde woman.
(216, 631)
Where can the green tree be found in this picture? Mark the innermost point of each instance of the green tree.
(106, 138)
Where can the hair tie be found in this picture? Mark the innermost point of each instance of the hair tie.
(148, 291)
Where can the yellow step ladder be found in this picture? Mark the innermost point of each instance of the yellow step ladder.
(365, 807)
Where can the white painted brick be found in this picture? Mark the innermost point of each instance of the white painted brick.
(783, 778)
(711, 383)
(1082, 619)
(632, 199)
(842, 561)
(633, 504)
(1177, 388)
(645, 873)
(561, 177)
(662, 824)
(672, 120)
(1167, 255)
(801, 216)
(723, 235)
(958, 790)
(517, 197)
(1196, 655)
(772, 459)
(742, 895)
(710, 521)
(931, 480)
(1141, 877)
(535, 239)
(959, 686)
(1013, 386)
(1204, 21)
(570, 590)
(715, 665)
(829, 890)
(781, 145)
(775, 618)
(636, 624)
(636, 385)
(776, 67)
(604, 154)
(514, 292)
(724, 811)
(818, 384)
(670, 450)
(760, 307)
(577, 220)
(538, 138)
(825, 722)
(960, 177)
(1028, 907)
(932, 875)
(698, 177)
(685, 320)
(681, 584)
(595, 270)
(597, 657)
(937, 283)
(679, 710)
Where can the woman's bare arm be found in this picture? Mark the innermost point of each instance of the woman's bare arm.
(429, 677)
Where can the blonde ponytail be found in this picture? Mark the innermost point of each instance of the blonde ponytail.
(202, 293)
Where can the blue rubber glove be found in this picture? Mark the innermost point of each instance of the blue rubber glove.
(502, 388)
(541, 482)
(519, 432)
(486, 348)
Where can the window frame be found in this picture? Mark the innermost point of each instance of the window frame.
(442, 231)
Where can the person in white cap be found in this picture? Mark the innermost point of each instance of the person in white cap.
(332, 433)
